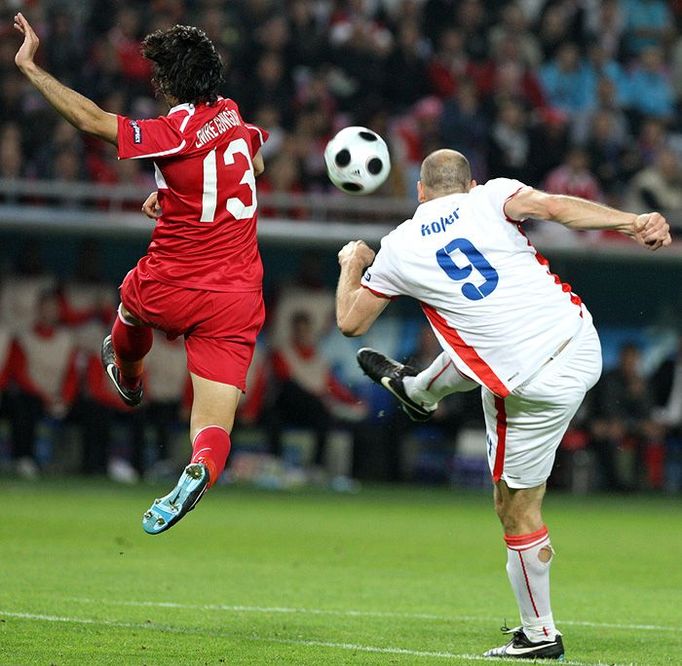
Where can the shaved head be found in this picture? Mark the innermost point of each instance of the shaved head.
(445, 172)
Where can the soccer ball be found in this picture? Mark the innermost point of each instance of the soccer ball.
(357, 160)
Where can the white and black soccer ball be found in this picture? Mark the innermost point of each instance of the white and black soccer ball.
(357, 160)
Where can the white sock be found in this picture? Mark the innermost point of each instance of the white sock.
(438, 380)
(529, 578)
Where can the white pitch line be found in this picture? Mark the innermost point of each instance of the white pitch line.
(357, 613)
(40, 617)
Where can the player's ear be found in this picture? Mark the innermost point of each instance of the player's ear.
(472, 184)
(421, 197)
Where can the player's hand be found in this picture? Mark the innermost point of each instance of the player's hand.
(28, 48)
(652, 231)
(151, 206)
(356, 251)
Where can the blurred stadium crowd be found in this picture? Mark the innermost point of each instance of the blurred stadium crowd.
(579, 97)
(308, 413)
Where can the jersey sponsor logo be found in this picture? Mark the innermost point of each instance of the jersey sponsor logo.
(218, 125)
(137, 131)
(442, 224)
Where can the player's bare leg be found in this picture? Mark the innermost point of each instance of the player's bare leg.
(123, 352)
(529, 556)
(211, 421)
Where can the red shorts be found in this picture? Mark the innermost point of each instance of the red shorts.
(219, 328)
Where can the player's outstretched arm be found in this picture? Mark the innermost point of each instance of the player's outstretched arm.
(81, 112)
(356, 308)
(258, 164)
(649, 230)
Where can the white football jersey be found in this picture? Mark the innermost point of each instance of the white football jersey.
(486, 291)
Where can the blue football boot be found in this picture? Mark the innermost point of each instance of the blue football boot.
(166, 511)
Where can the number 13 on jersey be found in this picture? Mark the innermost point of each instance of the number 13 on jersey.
(235, 206)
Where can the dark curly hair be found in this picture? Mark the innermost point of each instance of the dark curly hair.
(186, 64)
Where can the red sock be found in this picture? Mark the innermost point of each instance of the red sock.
(211, 446)
(131, 344)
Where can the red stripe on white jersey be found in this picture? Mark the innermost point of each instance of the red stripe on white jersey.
(466, 352)
(542, 260)
(498, 467)
(504, 206)
(377, 293)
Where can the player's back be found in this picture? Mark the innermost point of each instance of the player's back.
(206, 235)
(481, 283)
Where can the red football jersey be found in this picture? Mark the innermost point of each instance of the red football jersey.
(203, 158)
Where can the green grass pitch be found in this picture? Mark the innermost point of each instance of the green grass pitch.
(388, 576)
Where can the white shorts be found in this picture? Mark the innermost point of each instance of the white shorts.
(524, 430)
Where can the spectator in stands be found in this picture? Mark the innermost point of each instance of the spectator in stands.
(11, 152)
(605, 24)
(456, 410)
(307, 293)
(549, 141)
(651, 92)
(557, 26)
(269, 84)
(667, 388)
(283, 177)
(44, 379)
(471, 19)
(417, 132)
(438, 17)
(600, 65)
(125, 36)
(509, 143)
(406, 68)
(307, 39)
(360, 47)
(606, 100)
(465, 127)
(22, 290)
(574, 177)
(506, 76)
(86, 298)
(64, 137)
(651, 140)
(63, 46)
(167, 390)
(564, 80)
(269, 118)
(647, 23)
(450, 64)
(622, 422)
(308, 394)
(605, 145)
(514, 24)
(102, 417)
(659, 185)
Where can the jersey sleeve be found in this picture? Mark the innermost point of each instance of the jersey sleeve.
(500, 190)
(153, 137)
(381, 277)
(257, 137)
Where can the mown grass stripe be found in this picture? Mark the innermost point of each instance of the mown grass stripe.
(40, 617)
(356, 613)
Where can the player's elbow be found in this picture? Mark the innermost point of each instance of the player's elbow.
(555, 207)
(350, 328)
(98, 123)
